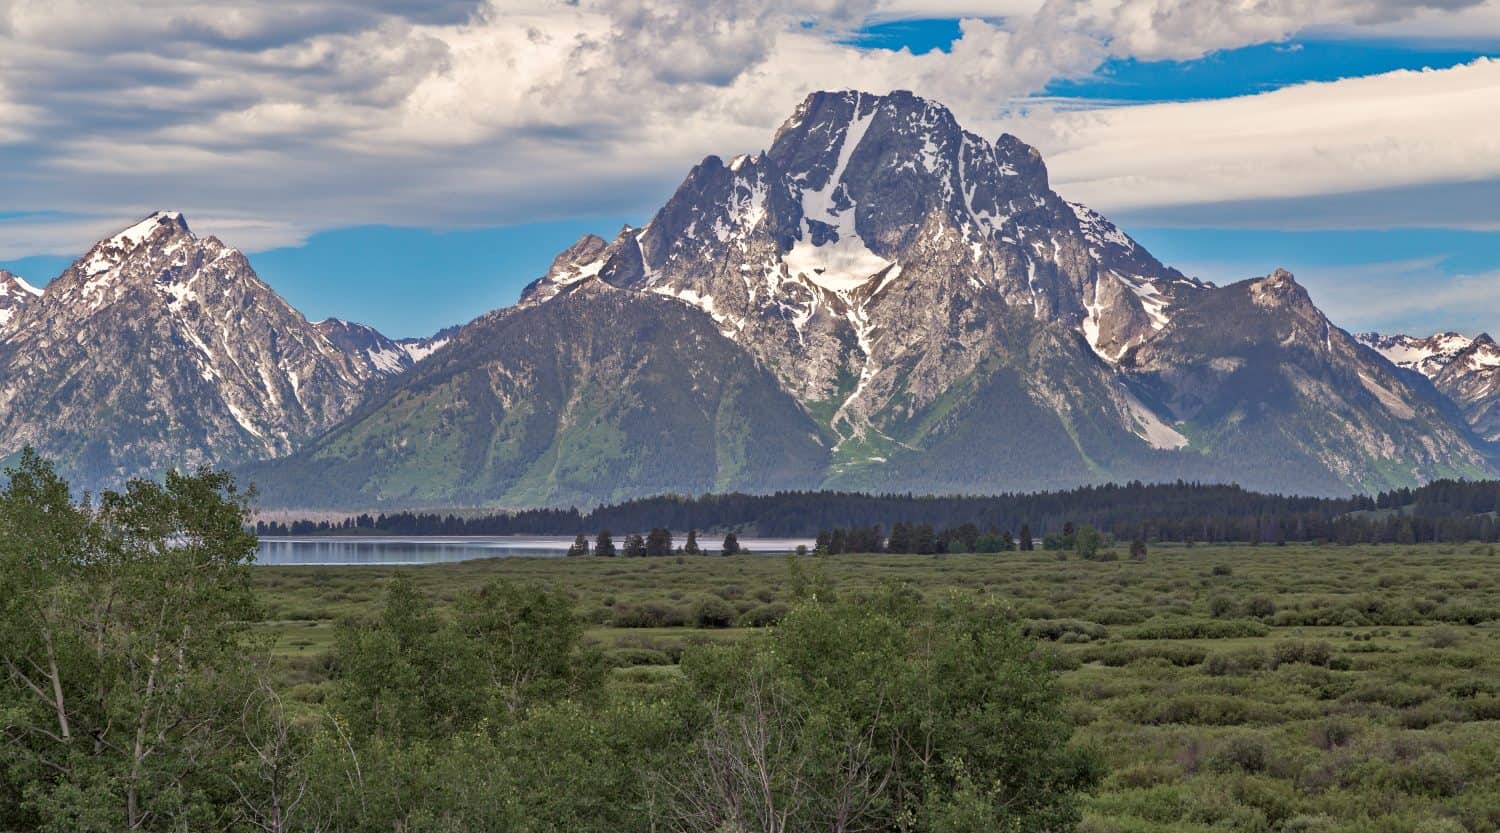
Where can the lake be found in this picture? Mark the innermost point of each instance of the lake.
(327, 550)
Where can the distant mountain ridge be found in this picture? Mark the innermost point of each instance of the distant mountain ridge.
(880, 301)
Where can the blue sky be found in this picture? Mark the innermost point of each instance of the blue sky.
(412, 223)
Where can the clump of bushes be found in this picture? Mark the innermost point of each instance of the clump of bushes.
(713, 612)
(1441, 637)
(1260, 607)
(1393, 694)
(1228, 663)
(1198, 629)
(1311, 651)
(1241, 752)
(648, 615)
(1064, 630)
(1117, 655)
(1222, 607)
(632, 657)
(763, 616)
(1333, 733)
(1432, 774)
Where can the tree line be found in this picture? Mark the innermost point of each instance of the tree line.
(1445, 510)
(657, 542)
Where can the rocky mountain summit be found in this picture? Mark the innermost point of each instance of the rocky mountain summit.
(865, 255)
(954, 324)
(15, 295)
(158, 348)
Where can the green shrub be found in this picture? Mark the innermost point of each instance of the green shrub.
(1260, 607)
(649, 615)
(1333, 733)
(1393, 694)
(1442, 636)
(1056, 629)
(713, 612)
(1222, 607)
(1241, 752)
(1144, 775)
(1230, 663)
(764, 615)
(1117, 655)
(1431, 774)
(1312, 652)
(631, 657)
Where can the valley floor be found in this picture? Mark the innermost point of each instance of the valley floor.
(1227, 688)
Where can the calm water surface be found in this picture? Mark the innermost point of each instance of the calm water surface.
(435, 549)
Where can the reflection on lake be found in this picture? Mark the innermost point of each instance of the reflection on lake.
(435, 549)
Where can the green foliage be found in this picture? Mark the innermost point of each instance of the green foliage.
(121, 631)
(894, 714)
(545, 694)
(713, 612)
(410, 674)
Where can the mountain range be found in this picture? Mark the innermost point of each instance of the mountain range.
(879, 301)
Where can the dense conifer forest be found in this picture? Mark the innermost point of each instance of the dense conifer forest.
(1446, 510)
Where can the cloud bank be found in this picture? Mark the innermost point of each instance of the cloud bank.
(267, 121)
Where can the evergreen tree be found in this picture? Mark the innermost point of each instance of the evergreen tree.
(922, 539)
(1027, 545)
(692, 548)
(580, 546)
(635, 546)
(968, 535)
(604, 545)
(659, 541)
(900, 541)
(731, 544)
(837, 542)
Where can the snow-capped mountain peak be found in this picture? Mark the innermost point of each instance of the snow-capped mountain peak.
(1466, 369)
(160, 347)
(1426, 355)
(832, 254)
(110, 252)
(15, 295)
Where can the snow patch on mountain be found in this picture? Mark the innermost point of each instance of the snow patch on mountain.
(842, 261)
